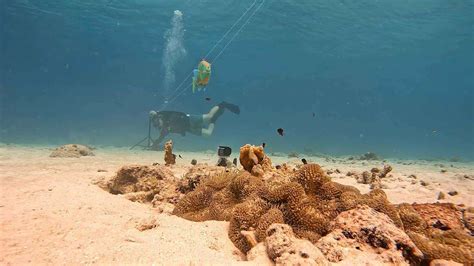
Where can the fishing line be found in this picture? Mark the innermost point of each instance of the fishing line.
(173, 98)
(239, 30)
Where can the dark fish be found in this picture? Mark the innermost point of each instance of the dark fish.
(280, 131)
(314, 114)
(180, 156)
(304, 161)
(263, 144)
(208, 99)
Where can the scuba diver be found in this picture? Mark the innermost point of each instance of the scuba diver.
(180, 123)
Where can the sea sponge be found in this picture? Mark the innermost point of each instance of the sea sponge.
(435, 250)
(311, 177)
(254, 155)
(170, 158)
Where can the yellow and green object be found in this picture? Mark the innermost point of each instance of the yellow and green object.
(201, 75)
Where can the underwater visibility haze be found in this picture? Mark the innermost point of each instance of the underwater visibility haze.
(340, 77)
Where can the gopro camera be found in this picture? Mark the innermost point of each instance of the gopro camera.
(223, 152)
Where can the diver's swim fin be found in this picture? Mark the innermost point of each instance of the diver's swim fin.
(231, 107)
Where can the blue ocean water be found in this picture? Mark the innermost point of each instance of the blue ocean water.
(392, 77)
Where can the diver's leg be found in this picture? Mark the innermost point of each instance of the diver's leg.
(207, 118)
(218, 110)
(208, 131)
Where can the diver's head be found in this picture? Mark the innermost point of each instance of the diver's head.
(156, 119)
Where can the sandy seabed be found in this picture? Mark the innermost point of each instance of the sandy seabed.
(52, 213)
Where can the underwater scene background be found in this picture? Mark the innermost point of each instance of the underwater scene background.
(391, 77)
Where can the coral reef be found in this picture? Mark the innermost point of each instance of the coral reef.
(307, 204)
(251, 156)
(439, 249)
(284, 248)
(195, 174)
(170, 158)
(215, 197)
(438, 230)
(143, 183)
(444, 216)
(468, 218)
(373, 177)
(364, 233)
(72, 151)
(338, 218)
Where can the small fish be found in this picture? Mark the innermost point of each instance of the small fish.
(180, 156)
(264, 144)
(208, 99)
(314, 114)
(304, 161)
(280, 131)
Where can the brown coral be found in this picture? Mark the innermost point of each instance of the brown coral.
(362, 232)
(216, 196)
(308, 202)
(433, 249)
(311, 177)
(285, 249)
(443, 216)
(72, 151)
(251, 156)
(170, 158)
(411, 220)
(143, 183)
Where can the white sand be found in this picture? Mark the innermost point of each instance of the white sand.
(52, 213)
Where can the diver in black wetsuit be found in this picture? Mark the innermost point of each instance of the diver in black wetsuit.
(177, 122)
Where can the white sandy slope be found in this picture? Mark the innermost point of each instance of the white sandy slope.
(52, 213)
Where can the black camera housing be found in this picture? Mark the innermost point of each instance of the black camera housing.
(224, 151)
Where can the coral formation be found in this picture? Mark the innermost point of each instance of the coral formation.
(307, 204)
(468, 218)
(195, 174)
(285, 249)
(215, 197)
(170, 158)
(444, 216)
(436, 249)
(373, 177)
(72, 151)
(143, 183)
(363, 232)
(438, 230)
(324, 212)
(251, 156)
